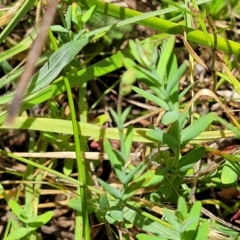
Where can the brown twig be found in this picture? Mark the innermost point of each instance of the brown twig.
(32, 57)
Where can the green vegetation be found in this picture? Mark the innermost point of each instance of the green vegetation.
(152, 195)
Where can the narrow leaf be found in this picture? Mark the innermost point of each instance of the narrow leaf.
(55, 64)
(197, 127)
(113, 191)
(162, 137)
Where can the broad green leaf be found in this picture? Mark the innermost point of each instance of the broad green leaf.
(143, 236)
(55, 64)
(229, 173)
(203, 231)
(191, 158)
(110, 220)
(116, 214)
(113, 191)
(76, 204)
(151, 97)
(170, 117)
(162, 137)
(197, 127)
(18, 233)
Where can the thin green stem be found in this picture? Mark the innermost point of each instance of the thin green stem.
(81, 218)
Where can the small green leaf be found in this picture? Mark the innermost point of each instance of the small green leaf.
(76, 14)
(104, 205)
(68, 17)
(151, 97)
(128, 141)
(197, 127)
(170, 117)
(18, 233)
(182, 208)
(190, 159)
(16, 209)
(113, 191)
(68, 166)
(229, 173)
(175, 79)
(58, 28)
(125, 114)
(143, 236)
(130, 175)
(44, 218)
(162, 137)
(172, 219)
(110, 220)
(76, 204)
(166, 52)
(128, 63)
(115, 160)
(231, 158)
(88, 14)
(145, 74)
(203, 231)
(116, 214)
(131, 189)
(192, 220)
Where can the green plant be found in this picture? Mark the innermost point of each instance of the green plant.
(147, 68)
(24, 225)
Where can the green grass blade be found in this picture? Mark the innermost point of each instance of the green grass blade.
(26, 6)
